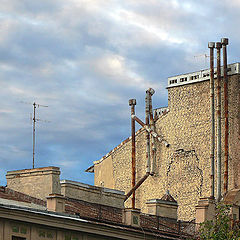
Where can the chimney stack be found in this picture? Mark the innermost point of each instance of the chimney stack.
(164, 207)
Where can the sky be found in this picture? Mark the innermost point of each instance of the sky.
(85, 59)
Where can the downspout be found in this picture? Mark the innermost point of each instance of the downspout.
(132, 103)
(218, 46)
(224, 42)
(211, 46)
(136, 186)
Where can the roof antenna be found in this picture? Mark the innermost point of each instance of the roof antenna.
(35, 105)
(201, 56)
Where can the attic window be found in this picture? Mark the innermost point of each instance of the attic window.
(206, 75)
(184, 79)
(173, 81)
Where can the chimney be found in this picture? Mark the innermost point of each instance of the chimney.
(131, 217)
(232, 198)
(56, 203)
(205, 210)
(37, 182)
(164, 207)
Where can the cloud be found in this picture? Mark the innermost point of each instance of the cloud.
(85, 59)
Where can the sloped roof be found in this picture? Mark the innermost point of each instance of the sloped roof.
(168, 197)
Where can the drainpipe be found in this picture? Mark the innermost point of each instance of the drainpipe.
(211, 46)
(147, 100)
(218, 46)
(152, 127)
(134, 118)
(132, 103)
(136, 186)
(224, 42)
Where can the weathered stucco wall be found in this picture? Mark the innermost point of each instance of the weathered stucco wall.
(105, 180)
(184, 168)
(93, 194)
(37, 182)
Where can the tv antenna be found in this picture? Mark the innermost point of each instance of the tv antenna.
(34, 119)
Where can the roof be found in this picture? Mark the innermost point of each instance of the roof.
(28, 214)
(24, 199)
(79, 210)
(168, 197)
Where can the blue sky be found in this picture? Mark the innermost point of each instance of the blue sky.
(85, 59)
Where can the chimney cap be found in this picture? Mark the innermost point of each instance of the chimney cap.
(132, 102)
(218, 45)
(151, 91)
(224, 41)
(211, 44)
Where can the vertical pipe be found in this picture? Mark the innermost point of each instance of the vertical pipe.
(218, 46)
(152, 127)
(132, 103)
(147, 133)
(34, 122)
(224, 42)
(211, 46)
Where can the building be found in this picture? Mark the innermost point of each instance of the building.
(184, 167)
(36, 205)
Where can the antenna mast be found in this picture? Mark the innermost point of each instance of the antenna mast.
(34, 127)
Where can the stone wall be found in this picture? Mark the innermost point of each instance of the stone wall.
(37, 182)
(184, 167)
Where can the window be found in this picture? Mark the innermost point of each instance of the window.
(18, 238)
(184, 79)
(173, 81)
(70, 236)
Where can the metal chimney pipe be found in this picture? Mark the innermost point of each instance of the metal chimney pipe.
(211, 46)
(132, 103)
(152, 127)
(147, 100)
(218, 46)
(224, 42)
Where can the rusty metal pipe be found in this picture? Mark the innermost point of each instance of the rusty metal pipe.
(132, 103)
(218, 46)
(153, 133)
(211, 46)
(136, 186)
(224, 42)
(147, 133)
(152, 127)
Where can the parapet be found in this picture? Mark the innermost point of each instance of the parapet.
(92, 194)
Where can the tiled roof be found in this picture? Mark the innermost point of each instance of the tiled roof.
(7, 193)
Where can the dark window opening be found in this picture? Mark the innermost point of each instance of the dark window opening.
(18, 238)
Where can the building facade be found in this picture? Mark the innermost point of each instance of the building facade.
(70, 210)
(184, 167)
